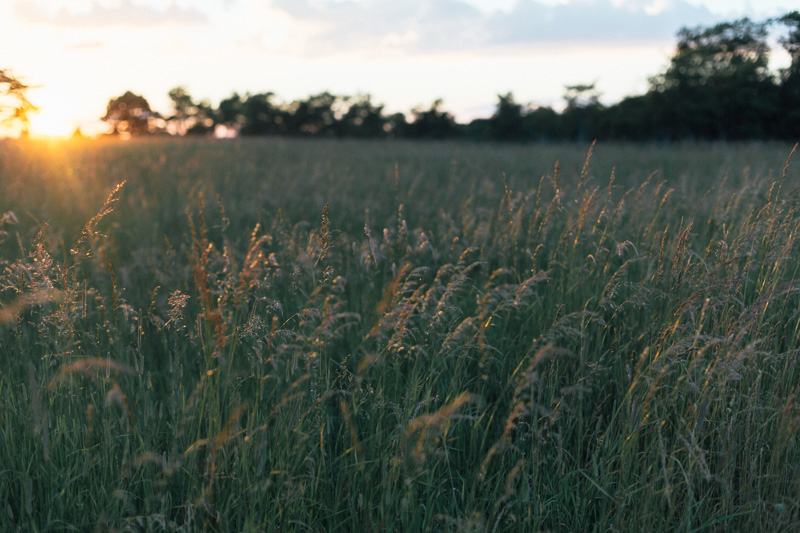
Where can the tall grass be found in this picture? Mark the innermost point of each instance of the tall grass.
(314, 335)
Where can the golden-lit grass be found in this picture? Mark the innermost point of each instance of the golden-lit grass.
(333, 335)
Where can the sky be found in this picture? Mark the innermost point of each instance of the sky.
(404, 53)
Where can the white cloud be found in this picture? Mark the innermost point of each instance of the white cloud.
(452, 25)
(600, 22)
(490, 6)
(750, 8)
(363, 25)
(657, 6)
(97, 13)
(408, 38)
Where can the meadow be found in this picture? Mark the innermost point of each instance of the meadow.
(319, 335)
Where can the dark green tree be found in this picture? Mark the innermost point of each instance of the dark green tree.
(433, 123)
(130, 115)
(791, 41)
(581, 96)
(582, 112)
(189, 117)
(478, 129)
(397, 126)
(789, 123)
(15, 108)
(545, 124)
(315, 116)
(635, 118)
(508, 121)
(362, 119)
(259, 115)
(229, 114)
(718, 84)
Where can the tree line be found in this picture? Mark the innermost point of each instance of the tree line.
(717, 86)
(320, 115)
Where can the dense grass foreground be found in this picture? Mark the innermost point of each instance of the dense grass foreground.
(383, 336)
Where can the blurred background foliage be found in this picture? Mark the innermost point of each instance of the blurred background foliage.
(717, 86)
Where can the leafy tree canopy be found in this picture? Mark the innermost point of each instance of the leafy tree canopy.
(130, 114)
(507, 122)
(15, 108)
(728, 51)
(433, 123)
(188, 116)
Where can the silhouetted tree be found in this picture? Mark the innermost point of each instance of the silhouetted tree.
(362, 119)
(582, 112)
(230, 114)
(397, 126)
(189, 117)
(718, 84)
(315, 116)
(478, 129)
(544, 124)
(791, 42)
(581, 96)
(789, 104)
(260, 115)
(130, 114)
(15, 108)
(433, 123)
(507, 122)
(635, 118)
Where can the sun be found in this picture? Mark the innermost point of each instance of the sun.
(57, 116)
(50, 122)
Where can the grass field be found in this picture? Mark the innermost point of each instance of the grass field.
(269, 335)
